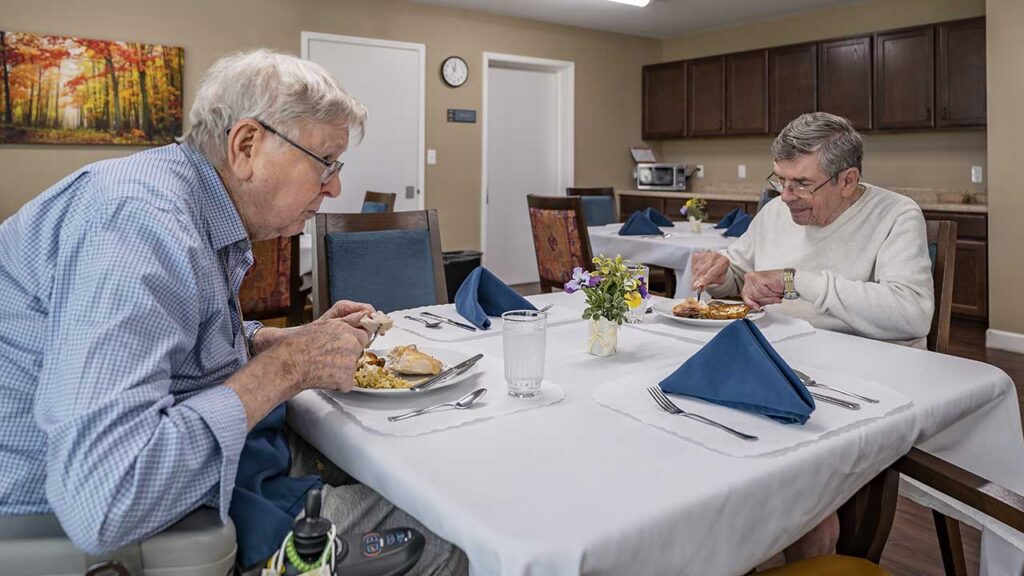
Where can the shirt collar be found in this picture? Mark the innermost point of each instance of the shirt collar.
(223, 224)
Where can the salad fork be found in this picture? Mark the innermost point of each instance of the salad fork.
(669, 406)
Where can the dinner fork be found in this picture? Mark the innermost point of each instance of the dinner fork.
(669, 406)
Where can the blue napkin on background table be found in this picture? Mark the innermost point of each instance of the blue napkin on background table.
(482, 294)
(738, 368)
(739, 225)
(728, 219)
(657, 217)
(639, 225)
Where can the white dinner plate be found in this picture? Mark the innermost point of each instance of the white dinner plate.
(448, 359)
(664, 308)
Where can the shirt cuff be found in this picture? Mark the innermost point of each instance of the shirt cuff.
(810, 285)
(251, 326)
(222, 410)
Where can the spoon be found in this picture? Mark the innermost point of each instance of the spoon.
(460, 404)
(427, 323)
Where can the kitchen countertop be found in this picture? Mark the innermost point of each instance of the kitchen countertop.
(926, 199)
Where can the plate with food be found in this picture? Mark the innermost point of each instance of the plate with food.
(713, 313)
(394, 371)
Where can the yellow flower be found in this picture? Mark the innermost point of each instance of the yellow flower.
(633, 299)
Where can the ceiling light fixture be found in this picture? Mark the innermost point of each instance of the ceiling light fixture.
(639, 3)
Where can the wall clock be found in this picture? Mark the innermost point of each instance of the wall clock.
(454, 71)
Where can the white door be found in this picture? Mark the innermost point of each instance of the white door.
(528, 150)
(387, 77)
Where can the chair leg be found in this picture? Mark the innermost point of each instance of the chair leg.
(950, 544)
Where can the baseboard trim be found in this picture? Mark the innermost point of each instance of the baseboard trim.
(1004, 340)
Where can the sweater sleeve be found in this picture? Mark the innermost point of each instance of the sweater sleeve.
(741, 255)
(898, 303)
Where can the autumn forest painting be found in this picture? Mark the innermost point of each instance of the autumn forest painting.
(63, 90)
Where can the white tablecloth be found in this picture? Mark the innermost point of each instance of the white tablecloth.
(672, 252)
(558, 314)
(578, 488)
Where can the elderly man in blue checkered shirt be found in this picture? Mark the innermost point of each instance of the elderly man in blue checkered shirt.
(126, 387)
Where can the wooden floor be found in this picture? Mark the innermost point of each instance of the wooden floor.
(912, 549)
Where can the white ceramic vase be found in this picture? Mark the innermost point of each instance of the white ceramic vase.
(604, 337)
(695, 225)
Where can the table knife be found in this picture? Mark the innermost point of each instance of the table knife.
(445, 374)
(469, 327)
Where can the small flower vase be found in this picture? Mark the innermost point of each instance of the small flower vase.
(695, 225)
(604, 337)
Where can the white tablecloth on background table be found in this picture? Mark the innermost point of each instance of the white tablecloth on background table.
(561, 313)
(577, 488)
(673, 252)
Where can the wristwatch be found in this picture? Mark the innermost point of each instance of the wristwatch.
(789, 288)
(250, 342)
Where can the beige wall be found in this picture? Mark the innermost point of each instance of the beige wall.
(1006, 158)
(607, 79)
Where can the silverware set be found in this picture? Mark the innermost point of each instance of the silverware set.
(435, 320)
(811, 382)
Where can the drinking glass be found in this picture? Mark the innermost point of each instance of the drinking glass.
(523, 338)
(636, 315)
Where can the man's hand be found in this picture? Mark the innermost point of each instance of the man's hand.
(350, 312)
(324, 353)
(708, 268)
(763, 288)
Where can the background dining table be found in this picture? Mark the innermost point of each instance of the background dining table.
(575, 487)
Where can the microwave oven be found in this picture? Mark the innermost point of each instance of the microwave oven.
(654, 176)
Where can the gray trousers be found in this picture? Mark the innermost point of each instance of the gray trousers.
(357, 509)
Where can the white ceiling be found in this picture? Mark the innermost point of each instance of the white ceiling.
(660, 19)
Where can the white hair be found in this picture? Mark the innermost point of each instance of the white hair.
(280, 90)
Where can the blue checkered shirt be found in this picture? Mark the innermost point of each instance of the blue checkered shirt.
(118, 328)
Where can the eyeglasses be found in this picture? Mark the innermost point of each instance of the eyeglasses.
(330, 168)
(779, 184)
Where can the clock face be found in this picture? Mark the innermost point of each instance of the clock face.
(454, 71)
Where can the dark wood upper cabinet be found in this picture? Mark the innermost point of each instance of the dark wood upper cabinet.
(844, 80)
(705, 97)
(746, 86)
(960, 74)
(905, 79)
(664, 100)
(793, 84)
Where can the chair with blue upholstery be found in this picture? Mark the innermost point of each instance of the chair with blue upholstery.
(598, 204)
(390, 260)
(375, 202)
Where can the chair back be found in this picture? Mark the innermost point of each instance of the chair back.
(390, 260)
(270, 288)
(375, 202)
(942, 250)
(767, 195)
(560, 238)
(598, 204)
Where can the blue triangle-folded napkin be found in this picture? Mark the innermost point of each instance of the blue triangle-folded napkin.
(728, 219)
(657, 217)
(639, 225)
(482, 294)
(739, 225)
(738, 368)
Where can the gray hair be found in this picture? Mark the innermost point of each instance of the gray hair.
(840, 145)
(281, 90)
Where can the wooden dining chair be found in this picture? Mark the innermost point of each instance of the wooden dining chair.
(598, 204)
(942, 250)
(560, 238)
(392, 261)
(375, 202)
(270, 288)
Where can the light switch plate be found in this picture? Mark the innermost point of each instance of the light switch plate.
(741, 172)
(431, 156)
(699, 172)
(976, 176)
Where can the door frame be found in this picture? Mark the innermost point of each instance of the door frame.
(421, 50)
(565, 73)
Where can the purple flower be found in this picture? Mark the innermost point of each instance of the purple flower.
(642, 288)
(580, 279)
(682, 210)
(593, 280)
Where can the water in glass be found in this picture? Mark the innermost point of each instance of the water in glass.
(523, 336)
(636, 315)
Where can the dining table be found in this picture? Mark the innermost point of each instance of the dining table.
(591, 477)
(672, 249)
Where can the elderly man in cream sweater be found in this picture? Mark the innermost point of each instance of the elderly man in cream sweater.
(840, 253)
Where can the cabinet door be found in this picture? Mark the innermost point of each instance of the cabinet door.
(844, 80)
(746, 86)
(960, 74)
(664, 100)
(905, 79)
(793, 86)
(970, 279)
(630, 204)
(705, 97)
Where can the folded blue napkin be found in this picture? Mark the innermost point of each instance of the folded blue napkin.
(657, 217)
(738, 368)
(482, 294)
(739, 225)
(728, 219)
(639, 225)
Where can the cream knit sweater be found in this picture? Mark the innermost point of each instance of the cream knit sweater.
(868, 273)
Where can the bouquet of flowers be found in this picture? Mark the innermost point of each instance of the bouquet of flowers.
(611, 289)
(695, 208)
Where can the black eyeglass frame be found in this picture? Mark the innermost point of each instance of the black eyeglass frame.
(330, 168)
(780, 189)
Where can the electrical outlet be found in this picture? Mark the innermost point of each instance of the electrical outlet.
(976, 174)
(699, 172)
(741, 171)
(431, 156)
